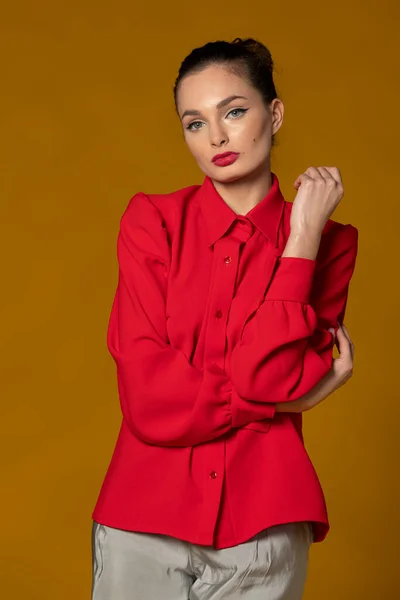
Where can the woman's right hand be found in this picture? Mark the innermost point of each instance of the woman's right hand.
(340, 373)
(319, 191)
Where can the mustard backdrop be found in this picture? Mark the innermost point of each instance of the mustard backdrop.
(87, 120)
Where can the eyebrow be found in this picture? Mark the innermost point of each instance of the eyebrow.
(220, 104)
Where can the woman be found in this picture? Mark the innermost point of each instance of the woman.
(228, 306)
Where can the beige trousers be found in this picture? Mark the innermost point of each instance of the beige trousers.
(141, 566)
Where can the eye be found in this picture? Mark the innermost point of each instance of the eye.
(241, 111)
(191, 128)
(235, 112)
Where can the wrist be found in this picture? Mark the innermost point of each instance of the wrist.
(309, 230)
(303, 243)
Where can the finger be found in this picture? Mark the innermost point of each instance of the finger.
(344, 345)
(301, 179)
(335, 173)
(325, 173)
(346, 332)
(314, 173)
(332, 332)
(346, 353)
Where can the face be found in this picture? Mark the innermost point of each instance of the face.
(215, 121)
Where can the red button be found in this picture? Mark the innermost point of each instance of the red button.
(213, 475)
(218, 314)
(228, 259)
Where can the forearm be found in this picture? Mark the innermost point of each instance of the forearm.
(296, 406)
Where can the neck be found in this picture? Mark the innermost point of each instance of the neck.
(245, 193)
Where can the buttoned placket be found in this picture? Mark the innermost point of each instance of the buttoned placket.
(226, 256)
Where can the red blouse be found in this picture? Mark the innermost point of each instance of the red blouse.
(210, 328)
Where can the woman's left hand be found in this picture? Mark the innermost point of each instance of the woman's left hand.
(340, 373)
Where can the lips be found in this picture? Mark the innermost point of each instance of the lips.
(223, 155)
(225, 159)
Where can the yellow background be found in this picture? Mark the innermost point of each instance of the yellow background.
(87, 120)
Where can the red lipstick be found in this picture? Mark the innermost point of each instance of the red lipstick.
(225, 159)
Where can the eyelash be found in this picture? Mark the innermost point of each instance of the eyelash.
(243, 110)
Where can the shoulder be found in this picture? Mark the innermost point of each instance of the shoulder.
(338, 240)
(167, 207)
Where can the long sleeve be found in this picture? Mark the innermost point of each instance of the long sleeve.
(164, 399)
(286, 348)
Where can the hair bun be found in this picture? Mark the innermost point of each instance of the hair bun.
(257, 49)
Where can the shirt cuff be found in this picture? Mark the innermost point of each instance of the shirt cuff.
(293, 280)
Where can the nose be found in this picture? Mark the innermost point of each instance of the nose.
(218, 136)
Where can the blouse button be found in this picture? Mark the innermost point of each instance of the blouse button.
(213, 475)
(228, 259)
(218, 314)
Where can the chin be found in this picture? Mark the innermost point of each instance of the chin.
(226, 174)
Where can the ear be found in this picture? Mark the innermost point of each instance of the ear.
(277, 110)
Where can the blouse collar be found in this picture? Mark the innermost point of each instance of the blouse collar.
(266, 215)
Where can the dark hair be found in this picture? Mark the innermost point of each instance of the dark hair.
(246, 58)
